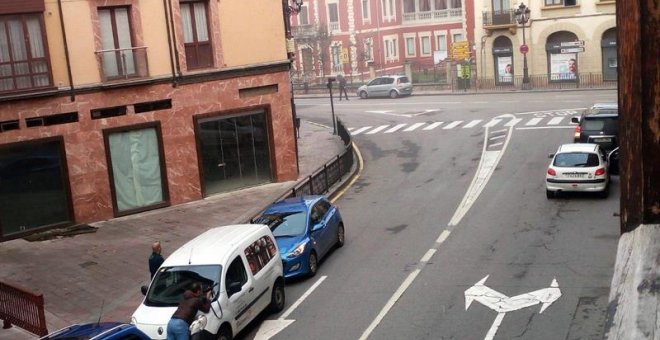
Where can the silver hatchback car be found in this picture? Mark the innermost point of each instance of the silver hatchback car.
(386, 86)
(578, 167)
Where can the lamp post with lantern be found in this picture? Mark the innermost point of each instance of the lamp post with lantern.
(290, 10)
(522, 17)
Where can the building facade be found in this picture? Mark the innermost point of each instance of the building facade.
(108, 108)
(569, 42)
(362, 38)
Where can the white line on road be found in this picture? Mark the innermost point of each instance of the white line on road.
(413, 127)
(495, 144)
(432, 126)
(428, 255)
(443, 236)
(453, 124)
(302, 298)
(496, 137)
(376, 130)
(492, 123)
(533, 121)
(513, 122)
(396, 127)
(545, 127)
(496, 324)
(359, 131)
(555, 120)
(472, 123)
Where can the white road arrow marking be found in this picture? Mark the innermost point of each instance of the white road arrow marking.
(503, 304)
(270, 328)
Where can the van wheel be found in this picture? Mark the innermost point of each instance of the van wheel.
(312, 264)
(393, 94)
(277, 297)
(341, 234)
(224, 333)
(364, 95)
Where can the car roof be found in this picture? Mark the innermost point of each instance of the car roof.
(293, 204)
(614, 106)
(212, 246)
(88, 330)
(577, 147)
(603, 110)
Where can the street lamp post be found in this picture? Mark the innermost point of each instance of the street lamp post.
(290, 48)
(522, 17)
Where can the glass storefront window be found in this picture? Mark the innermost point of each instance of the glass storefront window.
(33, 188)
(234, 152)
(136, 168)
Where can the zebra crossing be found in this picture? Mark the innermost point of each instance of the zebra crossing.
(518, 123)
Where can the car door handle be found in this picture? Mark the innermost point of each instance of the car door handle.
(250, 290)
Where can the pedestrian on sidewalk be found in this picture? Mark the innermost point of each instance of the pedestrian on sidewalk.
(193, 301)
(156, 259)
(342, 86)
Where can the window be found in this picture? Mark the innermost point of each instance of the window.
(303, 16)
(410, 47)
(236, 273)
(23, 53)
(136, 169)
(259, 253)
(387, 9)
(441, 43)
(333, 17)
(426, 45)
(321, 208)
(456, 4)
(335, 52)
(424, 5)
(561, 2)
(458, 37)
(440, 4)
(576, 160)
(365, 10)
(391, 53)
(116, 44)
(196, 35)
(409, 6)
(368, 49)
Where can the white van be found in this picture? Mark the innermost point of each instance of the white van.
(240, 263)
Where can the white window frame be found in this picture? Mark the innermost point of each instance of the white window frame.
(408, 37)
(427, 36)
(391, 48)
(440, 36)
(366, 15)
(370, 49)
(303, 9)
(330, 23)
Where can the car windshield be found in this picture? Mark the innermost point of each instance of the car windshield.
(600, 124)
(285, 223)
(576, 160)
(169, 283)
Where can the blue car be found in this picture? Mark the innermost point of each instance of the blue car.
(98, 331)
(305, 229)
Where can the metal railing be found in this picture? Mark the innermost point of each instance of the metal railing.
(333, 26)
(123, 63)
(502, 17)
(23, 309)
(551, 81)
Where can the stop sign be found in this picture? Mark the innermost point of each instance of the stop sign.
(524, 49)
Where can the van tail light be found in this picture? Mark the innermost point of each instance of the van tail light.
(552, 172)
(600, 172)
(578, 129)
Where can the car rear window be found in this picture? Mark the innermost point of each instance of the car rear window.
(605, 124)
(576, 160)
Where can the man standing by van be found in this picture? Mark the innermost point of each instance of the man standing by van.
(193, 301)
(156, 259)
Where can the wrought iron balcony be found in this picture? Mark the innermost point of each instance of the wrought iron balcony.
(502, 18)
(123, 63)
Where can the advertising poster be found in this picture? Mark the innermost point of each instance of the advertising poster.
(505, 69)
(563, 66)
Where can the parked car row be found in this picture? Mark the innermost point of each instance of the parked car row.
(242, 267)
(587, 164)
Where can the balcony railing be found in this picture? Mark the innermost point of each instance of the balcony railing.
(123, 63)
(505, 17)
(333, 26)
(303, 31)
(430, 16)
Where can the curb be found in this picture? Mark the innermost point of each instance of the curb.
(438, 93)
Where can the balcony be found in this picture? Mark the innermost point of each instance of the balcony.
(333, 26)
(304, 31)
(450, 14)
(123, 63)
(502, 19)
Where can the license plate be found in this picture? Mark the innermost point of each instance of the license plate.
(603, 140)
(574, 175)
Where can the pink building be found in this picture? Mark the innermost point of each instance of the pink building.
(362, 38)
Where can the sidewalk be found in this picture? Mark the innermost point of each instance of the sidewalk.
(98, 275)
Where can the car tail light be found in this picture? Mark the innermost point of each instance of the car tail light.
(578, 130)
(600, 172)
(552, 172)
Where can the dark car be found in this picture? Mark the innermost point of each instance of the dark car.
(98, 331)
(600, 125)
(305, 229)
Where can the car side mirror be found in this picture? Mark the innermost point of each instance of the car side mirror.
(234, 288)
(317, 226)
(144, 289)
(550, 155)
(575, 120)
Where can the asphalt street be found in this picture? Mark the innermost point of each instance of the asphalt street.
(451, 199)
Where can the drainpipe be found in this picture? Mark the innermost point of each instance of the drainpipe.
(66, 50)
(176, 48)
(169, 42)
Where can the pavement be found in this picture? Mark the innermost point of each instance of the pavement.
(97, 275)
